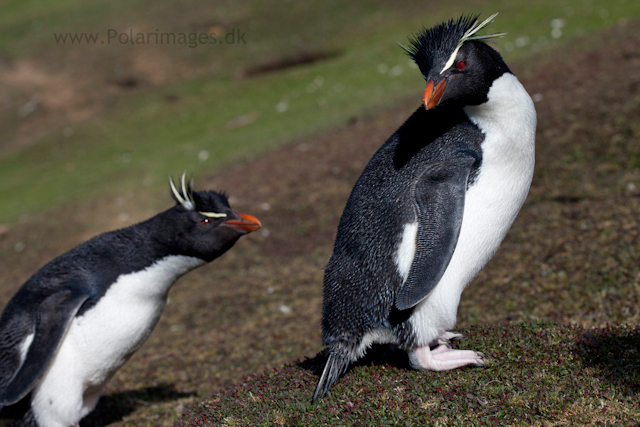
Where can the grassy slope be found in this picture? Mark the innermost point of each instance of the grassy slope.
(537, 374)
(572, 256)
(89, 136)
(258, 307)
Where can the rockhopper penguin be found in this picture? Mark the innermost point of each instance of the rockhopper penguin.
(77, 320)
(431, 207)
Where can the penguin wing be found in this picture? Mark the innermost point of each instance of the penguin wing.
(438, 195)
(53, 318)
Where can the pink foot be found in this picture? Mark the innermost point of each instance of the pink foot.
(443, 357)
(446, 339)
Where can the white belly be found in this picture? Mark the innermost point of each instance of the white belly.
(100, 341)
(508, 120)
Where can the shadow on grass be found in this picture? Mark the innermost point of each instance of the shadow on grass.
(377, 355)
(114, 407)
(10, 413)
(615, 353)
(110, 408)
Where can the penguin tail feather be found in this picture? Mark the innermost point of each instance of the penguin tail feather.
(336, 365)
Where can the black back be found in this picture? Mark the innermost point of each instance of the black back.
(361, 279)
(96, 264)
(74, 282)
(420, 175)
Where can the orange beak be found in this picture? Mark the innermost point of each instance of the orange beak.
(431, 96)
(246, 223)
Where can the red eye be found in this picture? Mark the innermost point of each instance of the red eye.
(460, 65)
(205, 221)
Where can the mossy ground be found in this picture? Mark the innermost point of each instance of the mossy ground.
(536, 374)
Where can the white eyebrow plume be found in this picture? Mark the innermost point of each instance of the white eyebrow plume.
(185, 198)
(470, 34)
(213, 214)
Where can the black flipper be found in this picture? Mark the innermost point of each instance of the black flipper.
(53, 319)
(439, 195)
(336, 365)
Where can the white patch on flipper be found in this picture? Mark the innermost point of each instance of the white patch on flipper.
(508, 121)
(24, 347)
(100, 341)
(406, 249)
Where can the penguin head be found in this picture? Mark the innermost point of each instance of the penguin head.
(203, 224)
(459, 68)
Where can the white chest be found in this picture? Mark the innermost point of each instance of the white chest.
(508, 121)
(100, 341)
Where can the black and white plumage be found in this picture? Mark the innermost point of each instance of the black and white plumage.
(430, 208)
(78, 319)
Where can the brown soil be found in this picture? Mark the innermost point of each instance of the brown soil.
(64, 86)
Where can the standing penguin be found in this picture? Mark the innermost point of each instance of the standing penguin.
(431, 207)
(77, 320)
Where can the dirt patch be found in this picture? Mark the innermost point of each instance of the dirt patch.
(36, 99)
(284, 63)
(48, 91)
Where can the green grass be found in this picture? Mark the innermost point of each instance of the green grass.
(141, 138)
